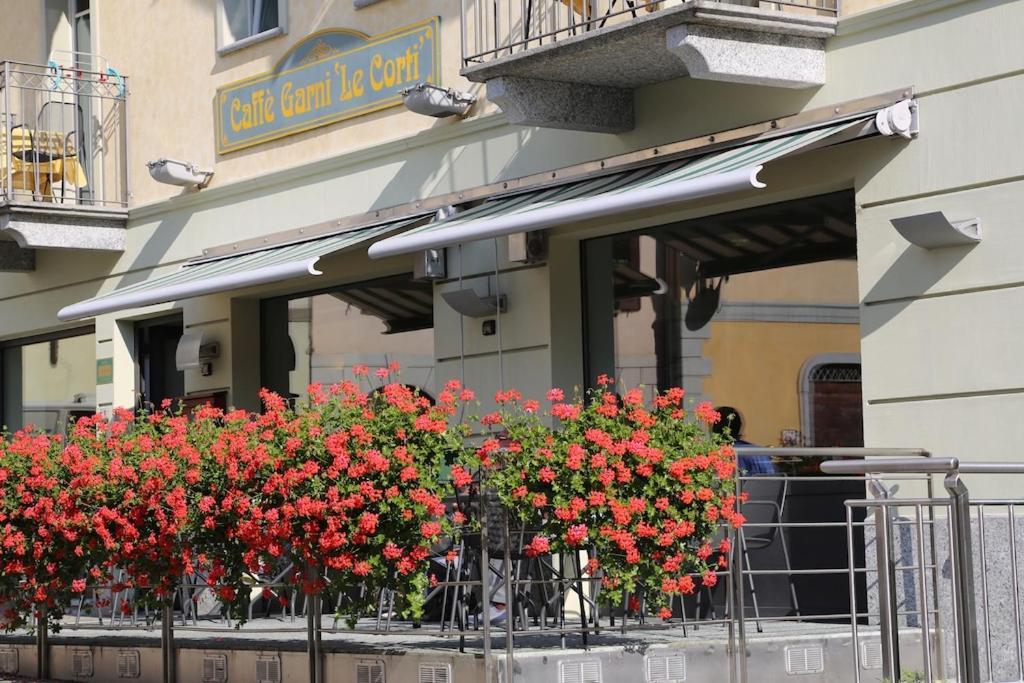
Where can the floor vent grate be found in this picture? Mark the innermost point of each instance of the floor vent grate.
(81, 664)
(809, 659)
(871, 654)
(268, 670)
(8, 661)
(129, 664)
(434, 672)
(666, 669)
(215, 668)
(370, 671)
(587, 671)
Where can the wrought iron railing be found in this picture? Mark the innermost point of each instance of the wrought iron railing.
(63, 136)
(497, 28)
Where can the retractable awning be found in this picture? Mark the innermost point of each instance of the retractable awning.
(619, 193)
(209, 276)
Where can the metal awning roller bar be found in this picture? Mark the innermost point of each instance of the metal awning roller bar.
(619, 194)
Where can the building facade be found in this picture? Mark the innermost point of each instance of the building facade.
(839, 298)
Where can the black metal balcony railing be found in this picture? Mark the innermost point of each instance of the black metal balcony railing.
(498, 28)
(63, 136)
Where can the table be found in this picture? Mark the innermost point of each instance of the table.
(59, 162)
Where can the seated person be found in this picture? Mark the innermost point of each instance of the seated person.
(731, 425)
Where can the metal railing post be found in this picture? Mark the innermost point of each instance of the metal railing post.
(485, 583)
(8, 143)
(42, 644)
(510, 599)
(167, 644)
(963, 578)
(314, 664)
(887, 607)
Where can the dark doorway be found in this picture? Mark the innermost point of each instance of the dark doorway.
(838, 406)
(155, 344)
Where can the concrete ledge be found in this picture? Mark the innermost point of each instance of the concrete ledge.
(34, 227)
(14, 258)
(553, 104)
(719, 53)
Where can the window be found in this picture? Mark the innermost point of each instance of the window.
(244, 22)
(729, 307)
(48, 381)
(319, 337)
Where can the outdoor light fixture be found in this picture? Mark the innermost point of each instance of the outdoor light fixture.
(432, 100)
(196, 351)
(470, 304)
(183, 173)
(933, 230)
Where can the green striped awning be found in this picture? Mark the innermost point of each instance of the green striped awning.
(616, 193)
(209, 276)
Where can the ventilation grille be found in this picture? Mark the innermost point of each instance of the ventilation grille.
(871, 654)
(8, 661)
(588, 671)
(81, 664)
(435, 673)
(128, 664)
(370, 671)
(805, 660)
(215, 668)
(670, 669)
(268, 670)
(836, 372)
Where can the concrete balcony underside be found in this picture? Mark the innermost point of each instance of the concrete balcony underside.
(25, 227)
(585, 81)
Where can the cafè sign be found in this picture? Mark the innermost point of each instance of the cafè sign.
(328, 77)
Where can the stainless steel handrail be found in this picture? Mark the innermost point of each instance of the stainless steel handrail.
(961, 559)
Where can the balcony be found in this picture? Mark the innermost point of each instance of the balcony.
(63, 159)
(574, 63)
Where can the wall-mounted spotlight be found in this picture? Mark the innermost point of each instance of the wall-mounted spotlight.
(933, 230)
(195, 350)
(182, 173)
(470, 304)
(432, 100)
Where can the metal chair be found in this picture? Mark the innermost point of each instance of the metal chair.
(764, 510)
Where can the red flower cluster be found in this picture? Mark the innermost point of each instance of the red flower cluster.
(348, 490)
(643, 490)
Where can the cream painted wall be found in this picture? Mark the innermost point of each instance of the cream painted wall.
(177, 94)
(22, 40)
(74, 373)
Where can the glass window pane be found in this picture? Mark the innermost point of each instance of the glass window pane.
(236, 20)
(735, 309)
(46, 383)
(320, 338)
(265, 15)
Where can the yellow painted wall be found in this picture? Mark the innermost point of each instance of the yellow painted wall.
(755, 368)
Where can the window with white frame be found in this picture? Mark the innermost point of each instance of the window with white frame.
(244, 22)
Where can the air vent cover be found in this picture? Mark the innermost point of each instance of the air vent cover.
(128, 664)
(268, 670)
(370, 671)
(666, 669)
(871, 654)
(81, 664)
(215, 668)
(587, 671)
(809, 659)
(8, 660)
(435, 672)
